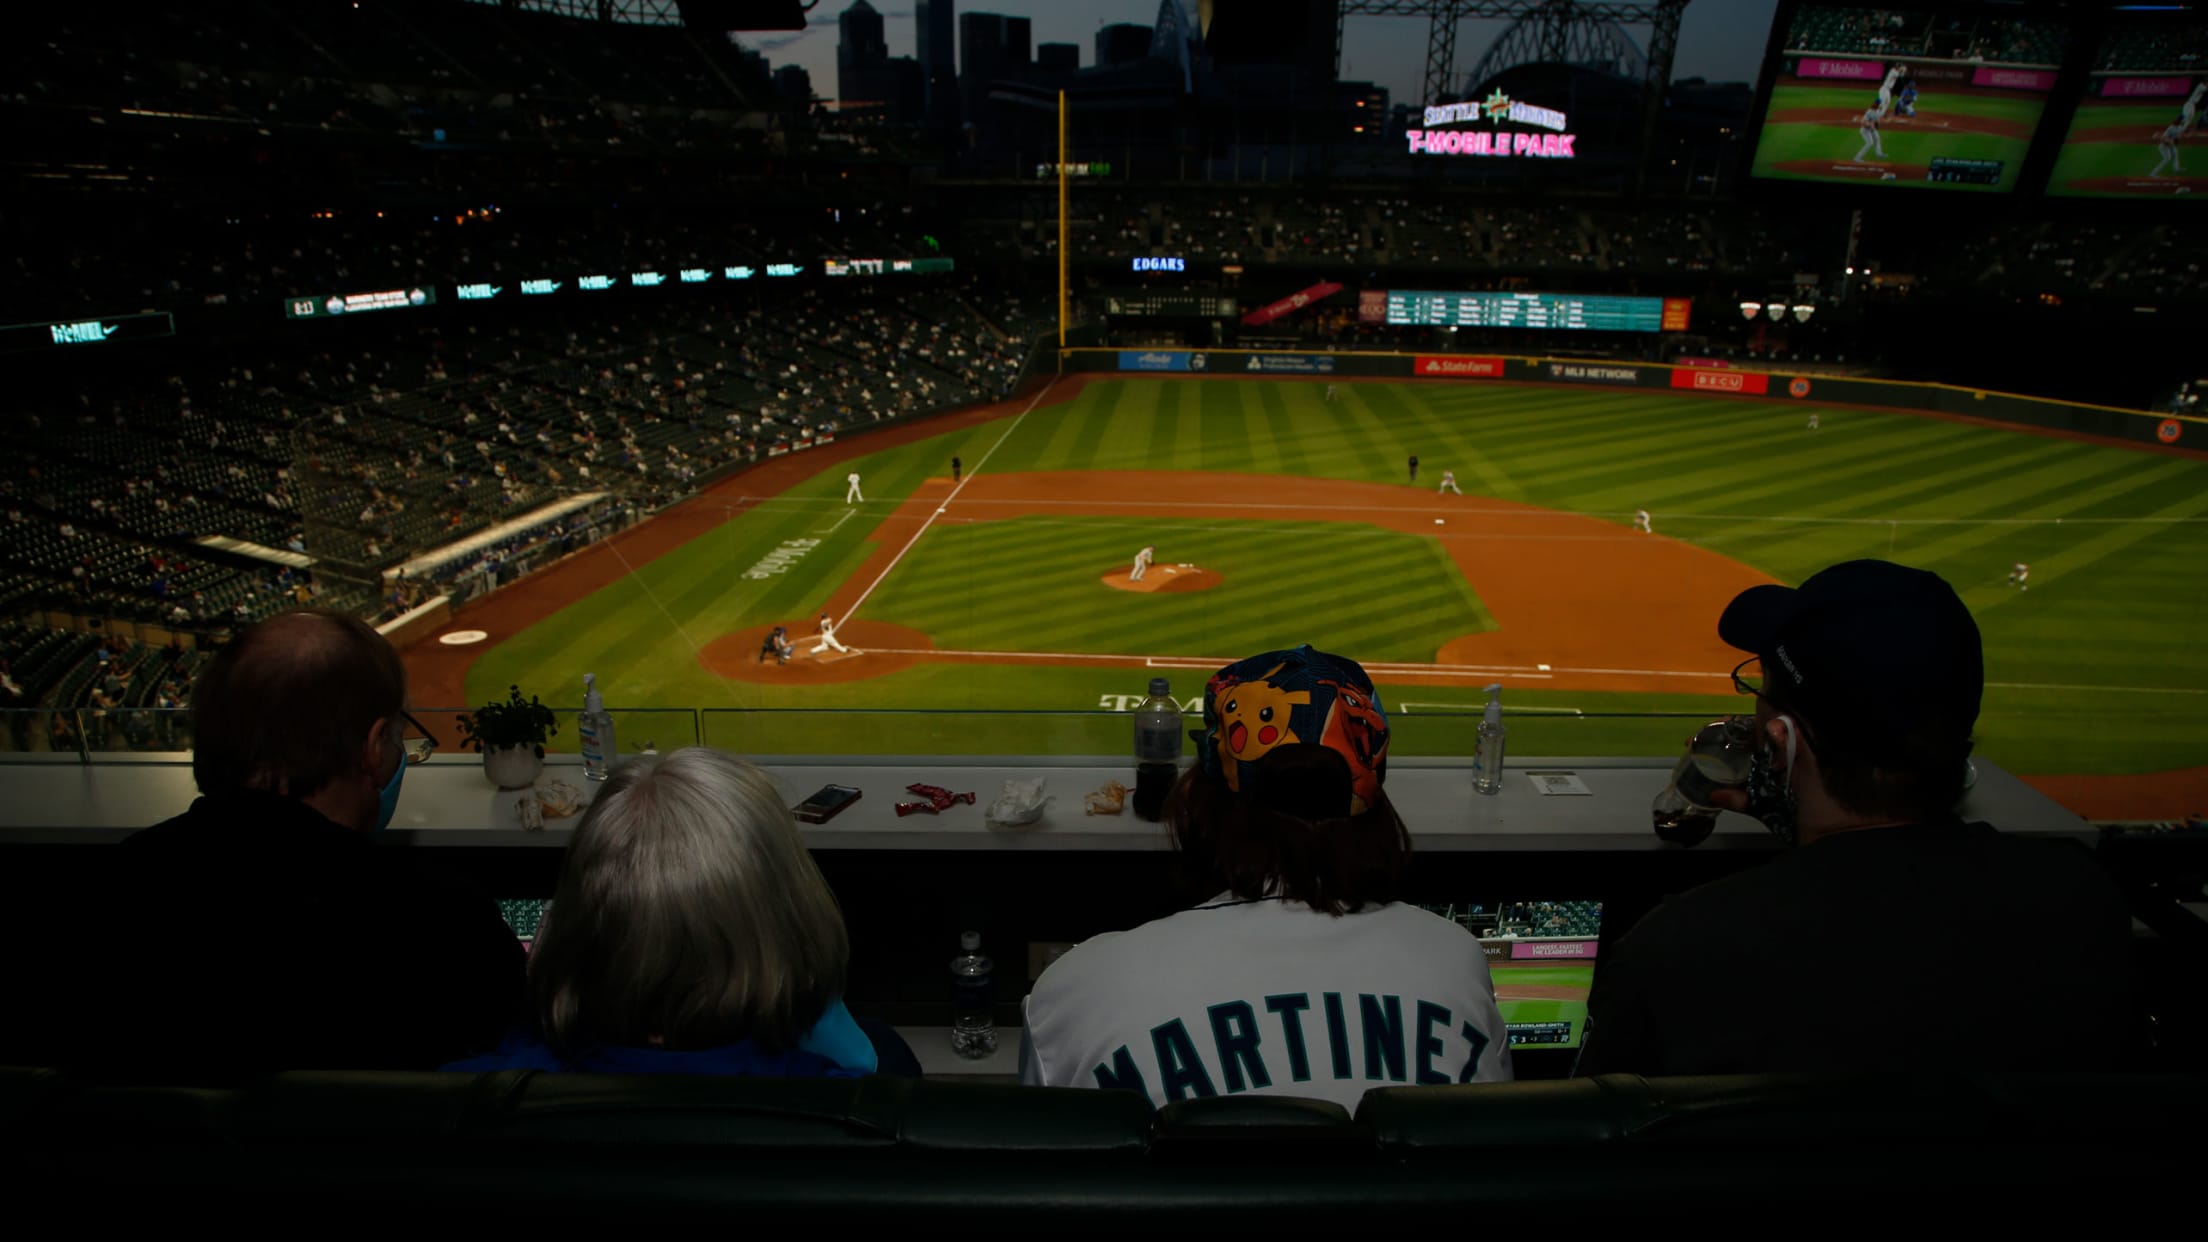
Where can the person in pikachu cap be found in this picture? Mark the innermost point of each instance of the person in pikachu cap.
(1303, 974)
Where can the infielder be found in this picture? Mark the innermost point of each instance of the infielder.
(1142, 563)
(2167, 144)
(1642, 523)
(851, 494)
(828, 640)
(1449, 482)
(2018, 573)
(1867, 125)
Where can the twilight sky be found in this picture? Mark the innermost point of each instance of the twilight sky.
(1721, 40)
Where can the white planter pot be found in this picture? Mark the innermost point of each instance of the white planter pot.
(513, 767)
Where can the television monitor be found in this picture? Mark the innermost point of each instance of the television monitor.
(1924, 98)
(2137, 129)
(1542, 957)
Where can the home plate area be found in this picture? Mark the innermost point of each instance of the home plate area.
(1172, 579)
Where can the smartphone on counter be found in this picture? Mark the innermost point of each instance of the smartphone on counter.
(826, 804)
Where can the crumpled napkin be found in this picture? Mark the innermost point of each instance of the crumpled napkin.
(1021, 802)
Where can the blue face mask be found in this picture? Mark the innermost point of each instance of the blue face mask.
(390, 797)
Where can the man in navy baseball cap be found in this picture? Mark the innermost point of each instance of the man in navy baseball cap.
(1882, 669)
(1867, 680)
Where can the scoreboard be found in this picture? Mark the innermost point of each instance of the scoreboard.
(1171, 305)
(1591, 312)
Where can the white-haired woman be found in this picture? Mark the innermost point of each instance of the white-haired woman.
(691, 933)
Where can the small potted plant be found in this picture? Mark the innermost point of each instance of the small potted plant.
(510, 735)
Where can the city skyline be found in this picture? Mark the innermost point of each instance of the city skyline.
(1721, 40)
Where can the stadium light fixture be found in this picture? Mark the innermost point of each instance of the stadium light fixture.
(1748, 310)
(1777, 311)
(1802, 312)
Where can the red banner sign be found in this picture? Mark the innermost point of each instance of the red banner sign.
(1707, 379)
(1290, 304)
(1457, 366)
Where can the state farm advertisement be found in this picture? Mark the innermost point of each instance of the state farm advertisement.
(1710, 379)
(1457, 366)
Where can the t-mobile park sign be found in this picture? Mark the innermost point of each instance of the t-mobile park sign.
(1495, 109)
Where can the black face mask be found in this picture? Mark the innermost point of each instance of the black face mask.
(1771, 791)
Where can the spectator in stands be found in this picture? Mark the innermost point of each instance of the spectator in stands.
(1305, 951)
(263, 929)
(1867, 682)
(692, 933)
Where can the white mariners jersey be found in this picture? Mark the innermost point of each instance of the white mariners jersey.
(1268, 997)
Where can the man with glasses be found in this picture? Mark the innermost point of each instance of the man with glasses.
(1888, 914)
(264, 928)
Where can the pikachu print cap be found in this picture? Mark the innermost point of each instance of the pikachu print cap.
(1284, 698)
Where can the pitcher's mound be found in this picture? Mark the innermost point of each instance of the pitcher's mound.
(1165, 578)
(877, 647)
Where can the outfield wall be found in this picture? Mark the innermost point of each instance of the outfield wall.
(2137, 426)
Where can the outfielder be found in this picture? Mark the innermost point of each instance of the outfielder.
(1642, 523)
(851, 494)
(2018, 573)
(1813, 420)
(1867, 125)
(1330, 392)
(1142, 563)
(828, 640)
(2167, 144)
(1449, 482)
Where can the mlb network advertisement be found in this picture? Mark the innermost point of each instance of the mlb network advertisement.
(2137, 131)
(1891, 98)
(1534, 132)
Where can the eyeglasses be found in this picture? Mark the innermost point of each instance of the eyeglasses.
(1748, 677)
(417, 749)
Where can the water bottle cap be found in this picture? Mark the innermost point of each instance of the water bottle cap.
(969, 941)
(1159, 686)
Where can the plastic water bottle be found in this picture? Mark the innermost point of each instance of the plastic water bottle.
(973, 1000)
(1157, 749)
(1487, 758)
(595, 726)
(1717, 758)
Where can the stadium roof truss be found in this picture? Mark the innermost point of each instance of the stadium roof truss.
(1567, 32)
(1541, 31)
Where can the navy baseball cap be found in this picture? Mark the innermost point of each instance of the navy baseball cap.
(1869, 652)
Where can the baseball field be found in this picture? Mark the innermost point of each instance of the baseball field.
(1546, 993)
(994, 614)
(2111, 152)
(1810, 133)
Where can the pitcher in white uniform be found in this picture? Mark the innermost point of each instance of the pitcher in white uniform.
(1304, 975)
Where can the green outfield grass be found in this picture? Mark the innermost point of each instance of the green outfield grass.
(1905, 142)
(2098, 668)
(1031, 584)
(2086, 161)
(1574, 1012)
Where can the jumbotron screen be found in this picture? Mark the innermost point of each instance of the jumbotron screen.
(1592, 313)
(1898, 97)
(2137, 131)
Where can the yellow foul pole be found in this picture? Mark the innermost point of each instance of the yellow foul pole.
(1065, 291)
